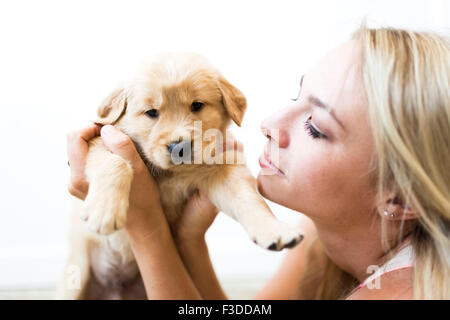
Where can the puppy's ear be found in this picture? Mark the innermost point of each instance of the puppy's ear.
(112, 108)
(233, 100)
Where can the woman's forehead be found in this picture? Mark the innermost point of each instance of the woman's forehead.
(337, 81)
(337, 71)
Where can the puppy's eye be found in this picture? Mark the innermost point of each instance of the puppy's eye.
(152, 113)
(196, 106)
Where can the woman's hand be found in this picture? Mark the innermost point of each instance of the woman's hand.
(144, 195)
(77, 150)
(199, 213)
(189, 235)
(163, 270)
(197, 216)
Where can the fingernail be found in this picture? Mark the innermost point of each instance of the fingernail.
(107, 131)
(203, 196)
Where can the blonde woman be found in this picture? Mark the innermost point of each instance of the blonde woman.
(364, 154)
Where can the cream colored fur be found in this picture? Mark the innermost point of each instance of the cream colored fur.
(168, 83)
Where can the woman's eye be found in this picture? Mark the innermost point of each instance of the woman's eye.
(152, 113)
(313, 132)
(196, 106)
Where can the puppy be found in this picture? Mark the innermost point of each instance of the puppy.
(164, 108)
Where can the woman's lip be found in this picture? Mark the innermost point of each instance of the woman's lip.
(265, 163)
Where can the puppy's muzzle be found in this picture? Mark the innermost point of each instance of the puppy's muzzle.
(180, 152)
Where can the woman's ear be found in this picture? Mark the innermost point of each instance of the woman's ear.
(112, 107)
(233, 100)
(395, 209)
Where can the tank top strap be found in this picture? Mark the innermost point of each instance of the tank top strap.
(403, 259)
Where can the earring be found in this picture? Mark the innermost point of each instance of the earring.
(387, 214)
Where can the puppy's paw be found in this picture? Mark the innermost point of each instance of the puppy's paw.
(277, 235)
(105, 211)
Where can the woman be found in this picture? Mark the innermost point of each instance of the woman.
(363, 153)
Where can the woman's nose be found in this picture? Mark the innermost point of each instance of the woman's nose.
(275, 128)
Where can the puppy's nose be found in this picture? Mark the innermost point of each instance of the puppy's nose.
(171, 146)
(180, 151)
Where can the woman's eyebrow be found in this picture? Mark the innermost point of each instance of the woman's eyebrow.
(319, 103)
(299, 90)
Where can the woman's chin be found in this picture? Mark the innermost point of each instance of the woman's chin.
(275, 190)
(263, 184)
(272, 186)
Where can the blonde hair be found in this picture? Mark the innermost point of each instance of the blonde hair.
(406, 78)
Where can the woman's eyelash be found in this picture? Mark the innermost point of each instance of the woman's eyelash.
(313, 131)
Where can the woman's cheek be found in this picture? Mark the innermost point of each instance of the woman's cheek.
(315, 184)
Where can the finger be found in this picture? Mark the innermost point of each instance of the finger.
(205, 203)
(77, 144)
(77, 149)
(199, 204)
(119, 143)
(89, 132)
(74, 191)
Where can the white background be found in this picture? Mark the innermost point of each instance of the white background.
(58, 59)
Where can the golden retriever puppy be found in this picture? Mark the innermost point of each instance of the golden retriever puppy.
(176, 110)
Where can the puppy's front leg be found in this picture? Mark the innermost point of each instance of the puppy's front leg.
(109, 177)
(239, 198)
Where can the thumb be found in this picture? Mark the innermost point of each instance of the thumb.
(198, 214)
(200, 202)
(120, 144)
